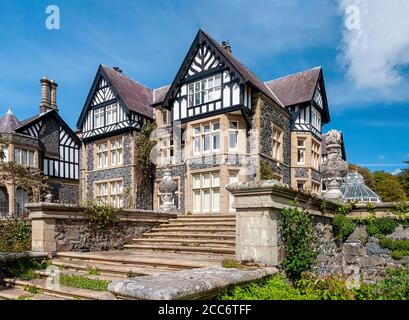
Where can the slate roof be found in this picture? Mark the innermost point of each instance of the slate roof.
(354, 188)
(296, 88)
(159, 94)
(245, 72)
(8, 122)
(136, 96)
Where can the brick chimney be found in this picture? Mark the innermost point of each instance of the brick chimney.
(45, 95)
(226, 46)
(48, 95)
(53, 95)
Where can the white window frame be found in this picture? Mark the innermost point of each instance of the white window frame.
(301, 150)
(110, 192)
(234, 132)
(117, 152)
(316, 119)
(205, 185)
(25, 157)
(99, 117)
(111, 114)
(200, 136)
(102, 155)
(167, 150)
(204, 91)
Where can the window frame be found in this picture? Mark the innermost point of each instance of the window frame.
(198, 92)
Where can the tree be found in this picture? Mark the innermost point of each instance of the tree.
(364, 172)
(403, 177)
(388, 187)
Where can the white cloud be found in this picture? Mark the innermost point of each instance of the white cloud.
(396, 172)
(381, 157)
(378, 50)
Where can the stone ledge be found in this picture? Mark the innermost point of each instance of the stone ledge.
(190, 284)
(7, 256)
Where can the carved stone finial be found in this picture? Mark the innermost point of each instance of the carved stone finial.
(334, 169)
(167, 188)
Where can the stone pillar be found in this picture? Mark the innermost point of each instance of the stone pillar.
(11, 191)
(258, 206)
(334, 169)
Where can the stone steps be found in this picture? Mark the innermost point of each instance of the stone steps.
(209, 225)
(212, 249)
(186, 242)
(12, 293)
(143, 259)
(177, 229)
(203, 220)
(61, 292)
(110, 270)
(187, 235)
(82, 273)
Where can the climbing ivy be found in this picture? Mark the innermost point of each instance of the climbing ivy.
(299, 242)
(100, 217)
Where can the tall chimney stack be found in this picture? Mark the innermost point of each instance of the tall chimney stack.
(226, 46)
(53, 95)
(45, 95)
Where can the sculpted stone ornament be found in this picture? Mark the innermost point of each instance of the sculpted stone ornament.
(48, 198)
(167, 188)
(334, 169)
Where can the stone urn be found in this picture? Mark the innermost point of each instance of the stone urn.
(334, 169)
(167, 189)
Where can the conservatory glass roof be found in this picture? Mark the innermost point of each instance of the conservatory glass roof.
(354, 189)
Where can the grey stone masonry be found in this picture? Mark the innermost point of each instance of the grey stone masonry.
(191, 284)
(269, 116)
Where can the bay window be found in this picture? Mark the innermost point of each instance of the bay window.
(233, 135)
(206, 138)
(206, 192)
(24, 157)
(301, 151)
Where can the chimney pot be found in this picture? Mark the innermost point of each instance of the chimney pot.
(226, 46)
(117, 69)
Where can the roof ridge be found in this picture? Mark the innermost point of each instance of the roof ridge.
(293, 74)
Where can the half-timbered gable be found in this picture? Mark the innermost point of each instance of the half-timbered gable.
(60, 144)
(303, 94)
(115, 104)
(211, 81)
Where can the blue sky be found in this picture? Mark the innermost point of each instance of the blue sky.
(366, 70)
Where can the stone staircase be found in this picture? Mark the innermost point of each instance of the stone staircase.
(187, 242)
(205, 234)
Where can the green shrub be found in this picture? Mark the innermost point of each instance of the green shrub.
(99, 216)
(23, 268)
(394, 287)
(381, 226)
(297, 232)
(267, 173)
(399, 248)
(345, 208)
(273, 288)
(81, 282)
(15, 235)
(342, 226)
(328, 288)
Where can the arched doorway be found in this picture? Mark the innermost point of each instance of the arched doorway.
(4, 203)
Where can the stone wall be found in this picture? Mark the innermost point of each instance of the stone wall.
(270, 115)
(57, 227)
(65, 192)
(359, 257)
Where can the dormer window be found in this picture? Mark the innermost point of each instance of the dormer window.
(203, 91)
